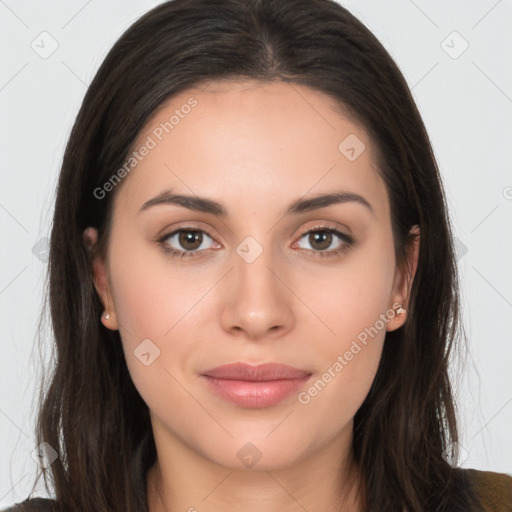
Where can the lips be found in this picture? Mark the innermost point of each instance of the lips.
(255, 387)
(259, 373)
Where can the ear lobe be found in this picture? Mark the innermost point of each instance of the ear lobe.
(405, 276)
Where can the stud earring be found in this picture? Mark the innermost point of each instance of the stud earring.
(107, 316)
(400, 310)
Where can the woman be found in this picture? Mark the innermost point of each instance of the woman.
(252, 279)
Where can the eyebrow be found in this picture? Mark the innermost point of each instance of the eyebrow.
(203, 204)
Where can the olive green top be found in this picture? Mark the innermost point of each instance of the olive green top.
(493, 489)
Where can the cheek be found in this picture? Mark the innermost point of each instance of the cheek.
(156, 311)
(353, 305)
(141, 300)
(152, 292)
(349, 298)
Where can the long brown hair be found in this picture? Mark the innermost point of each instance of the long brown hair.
(90, 412)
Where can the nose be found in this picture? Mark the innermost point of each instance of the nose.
(257, 302)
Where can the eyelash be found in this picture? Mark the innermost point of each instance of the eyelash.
(348, 242)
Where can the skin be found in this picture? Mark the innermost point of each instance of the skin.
(254, 148)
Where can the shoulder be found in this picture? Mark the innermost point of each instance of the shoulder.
(494, 490)
(34, 505)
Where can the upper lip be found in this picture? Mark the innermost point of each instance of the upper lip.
(262, 372)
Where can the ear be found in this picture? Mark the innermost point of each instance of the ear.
(403, 280)
(101, 280)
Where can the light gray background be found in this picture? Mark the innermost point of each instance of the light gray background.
(466, 104)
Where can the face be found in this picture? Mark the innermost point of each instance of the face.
(315, 288)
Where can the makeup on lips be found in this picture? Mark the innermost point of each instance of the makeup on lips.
(258, 386)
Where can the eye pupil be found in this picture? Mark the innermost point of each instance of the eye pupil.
(324, 237)
(190, 237)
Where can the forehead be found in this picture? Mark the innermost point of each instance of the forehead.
(252, 141)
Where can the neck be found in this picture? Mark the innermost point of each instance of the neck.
(309, 485)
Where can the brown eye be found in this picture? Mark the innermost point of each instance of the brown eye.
(321, 239)
(185, 242)
(190, 240)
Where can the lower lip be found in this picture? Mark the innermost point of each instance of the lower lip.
(255, 394)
